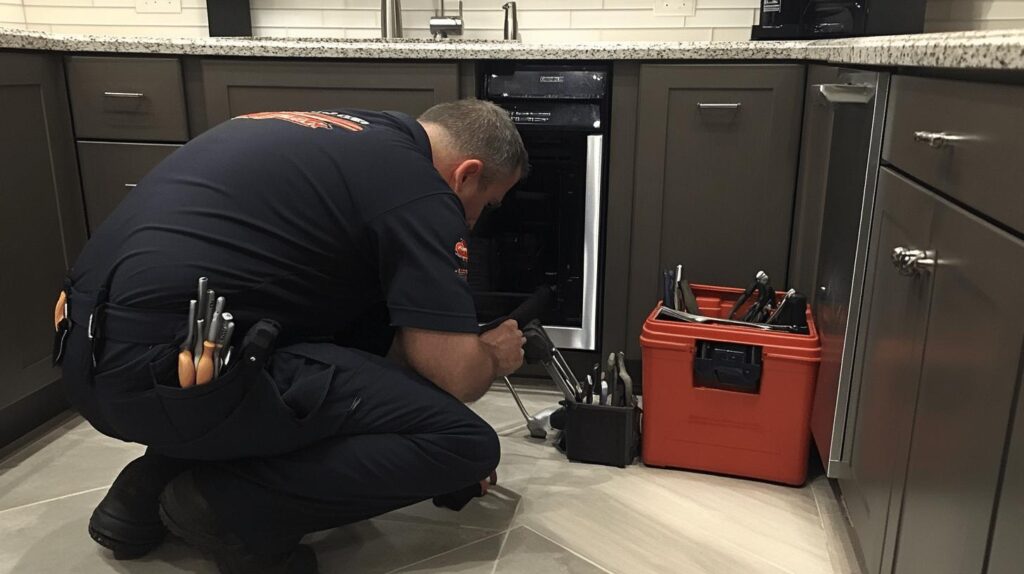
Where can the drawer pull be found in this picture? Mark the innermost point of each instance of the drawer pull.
(130, 185)
(937, 140)
(847, 93)
(912, 261)
(704, 106)
(129, 95)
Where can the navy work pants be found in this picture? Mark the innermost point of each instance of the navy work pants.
(312, 436)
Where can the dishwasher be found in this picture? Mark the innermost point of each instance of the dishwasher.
(856, 102)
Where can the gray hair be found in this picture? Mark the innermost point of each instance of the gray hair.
(483, 131)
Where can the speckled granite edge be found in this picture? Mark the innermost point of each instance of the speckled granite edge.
(998, 50)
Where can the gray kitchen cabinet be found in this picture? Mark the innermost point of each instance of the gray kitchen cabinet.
(110, 170)
(892, 343)
(815, 149)
(234, 87)
(715, 170)
(939, 369)
(1007, 552)
(42, 229)
(969, 375)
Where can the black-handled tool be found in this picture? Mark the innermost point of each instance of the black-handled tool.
(527, 311)
(686, 293)
(760, 281)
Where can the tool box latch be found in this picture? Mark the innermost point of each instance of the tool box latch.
(728, 366)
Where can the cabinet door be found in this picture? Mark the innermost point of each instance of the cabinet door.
(233, 87)
(891, 345)
(1007, 552)
(111, 170)
(42, 225)
(715, 176)
(969, 376)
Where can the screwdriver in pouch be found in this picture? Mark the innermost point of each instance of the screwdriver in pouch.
(222, 343)
(205, 370)
(186, 366)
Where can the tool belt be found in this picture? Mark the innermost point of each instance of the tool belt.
(103, 320)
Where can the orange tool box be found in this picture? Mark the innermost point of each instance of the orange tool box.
(727, 399)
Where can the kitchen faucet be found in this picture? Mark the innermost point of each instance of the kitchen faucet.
(391, 27)
(441, 25)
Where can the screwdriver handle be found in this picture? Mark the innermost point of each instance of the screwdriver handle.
(186, 369)
(204, 373)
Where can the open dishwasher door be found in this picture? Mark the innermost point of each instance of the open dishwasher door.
(857, 102)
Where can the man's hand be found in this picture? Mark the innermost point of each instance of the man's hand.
(506, 344)
(488, 482)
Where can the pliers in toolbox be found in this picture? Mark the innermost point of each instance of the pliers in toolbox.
(766, 295)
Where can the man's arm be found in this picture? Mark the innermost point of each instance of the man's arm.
(462, 364)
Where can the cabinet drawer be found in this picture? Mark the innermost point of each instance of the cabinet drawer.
(127, 98)
(111, 170)
(963, 139)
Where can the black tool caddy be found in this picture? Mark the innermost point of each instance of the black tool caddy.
(602, 434)
(597, 427)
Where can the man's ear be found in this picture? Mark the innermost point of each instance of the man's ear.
(468, 168)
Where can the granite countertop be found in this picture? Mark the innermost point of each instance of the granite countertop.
(995, 50)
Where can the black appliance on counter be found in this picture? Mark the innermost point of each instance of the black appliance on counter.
(548, 229)
(810, 19)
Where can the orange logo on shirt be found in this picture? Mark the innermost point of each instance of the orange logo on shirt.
(462, 251)
(314, 120)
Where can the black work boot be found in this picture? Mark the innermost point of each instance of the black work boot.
(126, 520)
(188, 516)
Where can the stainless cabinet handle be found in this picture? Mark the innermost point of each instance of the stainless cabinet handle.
(912, 261)
(704, 106)
(937, 140)
(847, 93)
(130, 185)
(133, 95)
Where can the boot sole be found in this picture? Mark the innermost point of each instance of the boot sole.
(127, 540)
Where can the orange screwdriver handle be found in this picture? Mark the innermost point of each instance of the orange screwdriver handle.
(204, 373)
(186, 369)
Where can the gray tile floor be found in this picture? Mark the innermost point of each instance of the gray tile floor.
(546, 516)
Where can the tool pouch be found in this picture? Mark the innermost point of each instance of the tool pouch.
(198, 413)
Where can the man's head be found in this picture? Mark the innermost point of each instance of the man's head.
(477, 150)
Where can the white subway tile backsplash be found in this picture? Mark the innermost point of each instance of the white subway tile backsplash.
(70, 3)
(287, 18)
(153, 31)
(354, 19)
(721, 19)
(127, 17)
(11, 13)
(604, 19)
(730, 34)
(754, 4)
(316, 33)
(560, 36)
(539, 20)
(657, 35)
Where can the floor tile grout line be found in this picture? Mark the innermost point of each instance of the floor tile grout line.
(446, 552)
(501, 549)
(386, 518)
(54, 499)
(570, 550)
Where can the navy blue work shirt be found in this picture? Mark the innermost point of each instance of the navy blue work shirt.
(330, 222)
